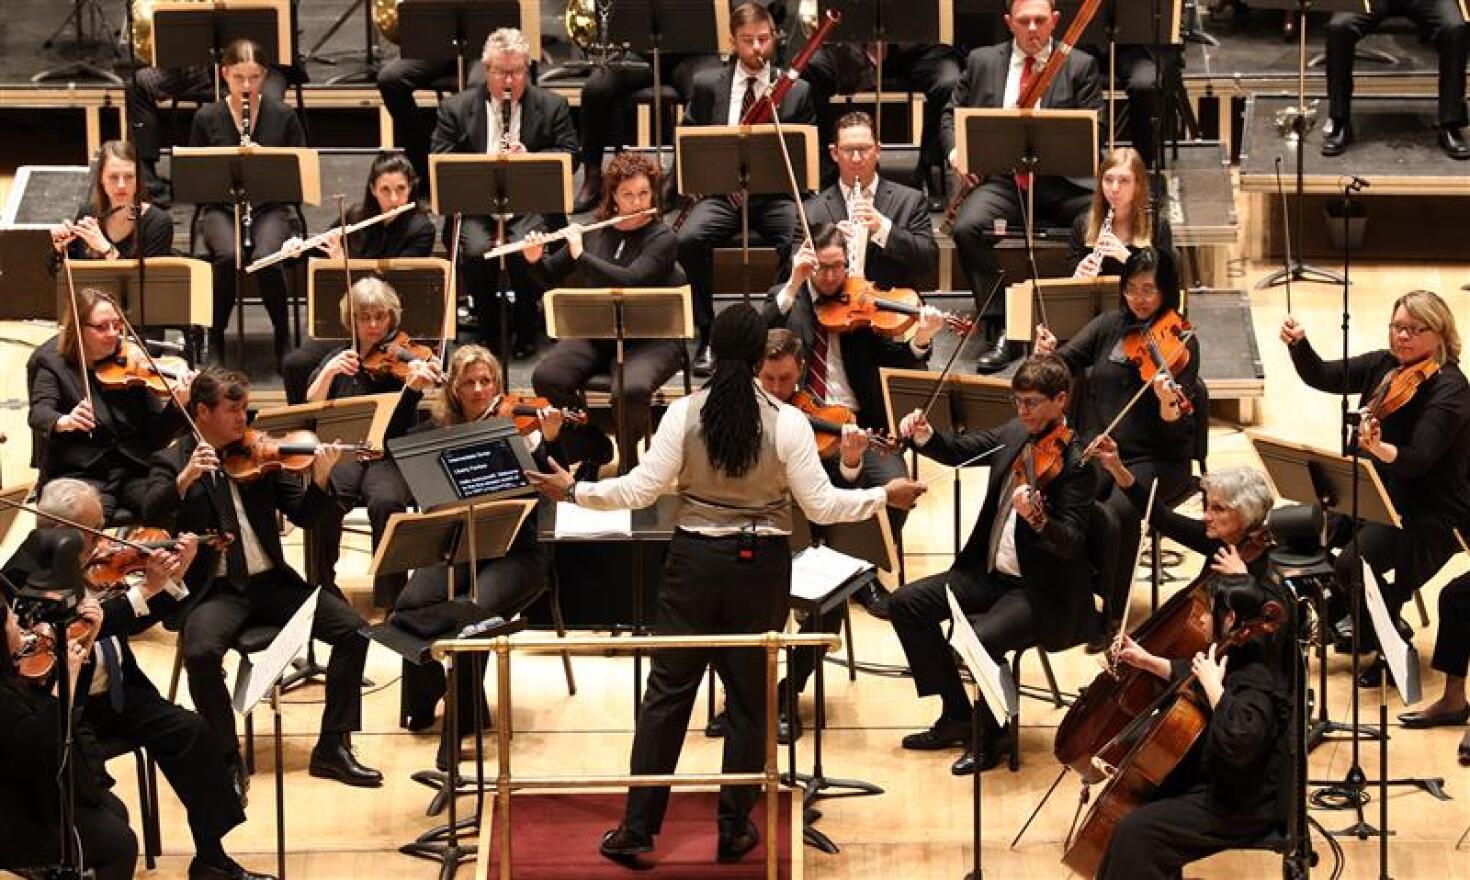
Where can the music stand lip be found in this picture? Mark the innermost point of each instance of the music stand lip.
(1045, 141)
(514, 184)
(1300, 456)
(718, 154)
(165, 277)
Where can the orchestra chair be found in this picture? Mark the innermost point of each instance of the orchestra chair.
(116, 747)
(295, 276)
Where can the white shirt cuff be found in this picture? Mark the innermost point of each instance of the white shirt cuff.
(786, 298)
(850, 474)
(138, 601)
(885, 226)
(176, 589)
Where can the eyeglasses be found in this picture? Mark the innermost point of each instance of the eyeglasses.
(104, 326)
(1026, 404)
(832, 267)
(1413, 331)
(507, 72)
(1140, 292)
(858, 153)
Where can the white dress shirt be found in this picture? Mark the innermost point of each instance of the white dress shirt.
(1013, 75)
(737, 89)
(139, 603)
(657, 473)
(492, 124)
(256, 560)
(1006, 560)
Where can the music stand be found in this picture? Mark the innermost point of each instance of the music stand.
(464, 464)
(187, 33)
(742, 161)
(620, 315)
(422, 283)
(444, 30)
(1056, 143)
(501, 186)
(242, 177)
(179, 290)
(1311, 475)
(27, 280)
(864, 21)
(1068, 303)
(261, 674)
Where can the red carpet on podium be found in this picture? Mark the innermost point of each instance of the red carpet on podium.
(556, 836)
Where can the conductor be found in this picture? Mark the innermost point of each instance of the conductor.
(737, 457)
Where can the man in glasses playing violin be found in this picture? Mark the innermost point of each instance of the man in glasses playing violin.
(842, 368)
(1023, 575)
(250, 582)
(117, 698)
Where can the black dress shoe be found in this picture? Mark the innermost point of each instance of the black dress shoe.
(1421, 720)
(1372, 675)
(1464, 755)
(874, 599)
(944, 734)
(734, 845)
(704, 362)
(1453, 143)
(718, 726)
(202, 870)
(999, 357)
(337, 762)
(1336, 137)
(622, 844)
(989, 757)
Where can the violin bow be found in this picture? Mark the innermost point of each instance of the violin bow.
(450, 296)
(1148, 514)
(806, 228)
(71, 524)
(76, 323)
(347, 271)
(153, 365)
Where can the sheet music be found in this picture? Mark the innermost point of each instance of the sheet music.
(260, 671)
(988, 674)
(1403, 660)
(817, 571)
(573, 521)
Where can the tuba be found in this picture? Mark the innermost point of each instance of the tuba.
(142, 34)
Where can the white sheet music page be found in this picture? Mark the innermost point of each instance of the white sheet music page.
(817, 571)
(1402, 659)
(579, 522)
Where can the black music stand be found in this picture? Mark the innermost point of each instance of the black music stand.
(620, 315)
(658, 26)
(869, 21)
(196, 35)
(421, 284)
(1068, 303)
(454, 30)
(27, 281)
(474, 463)
(501, 186)
(243, 177)
(1055, 143)
(962, 403)
(742, 161)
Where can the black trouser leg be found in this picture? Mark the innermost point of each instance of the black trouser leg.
(208, 632)
(1157, 840)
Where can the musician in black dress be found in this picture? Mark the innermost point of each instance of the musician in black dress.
(502, 586)
(30, 798)
(343, 373)
(104, 228)
(721, 96)
(224, 124)
(1235, 785)
(1119, 223)
(391, 184)
(638, 252)
(1421, 449)
(1156, 437)
(107, 439)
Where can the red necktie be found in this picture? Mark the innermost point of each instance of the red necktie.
(1028, 72)
(816, 372)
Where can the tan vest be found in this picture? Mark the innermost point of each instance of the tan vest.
(710, 500)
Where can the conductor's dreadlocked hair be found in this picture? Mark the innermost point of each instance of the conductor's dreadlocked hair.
(730, 417)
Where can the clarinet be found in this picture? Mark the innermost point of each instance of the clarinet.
(857, 243)
(505, 109)
(247, 218)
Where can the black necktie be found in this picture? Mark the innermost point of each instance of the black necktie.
(236, 571)
(114, 674)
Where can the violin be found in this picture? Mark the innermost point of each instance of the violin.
(1160, 348)
(110, 565)
(129, 367)
(36, 659)
(827, 421)
(524, 412)
(1398, 387)
(1177, 721)
(393, 356)
(1048, 457)
(886, 312)
(259, 453)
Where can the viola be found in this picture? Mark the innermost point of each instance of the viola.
(827, 421)
(259, 453)
(36, 659)
(129, 367)
(523, 411)
(111, 564)
(861, 305)
(393, 357)
(1160, 348)
(1398, 387)
(1175, 722)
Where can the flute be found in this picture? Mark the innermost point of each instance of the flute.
(317, 240)
(516, 247)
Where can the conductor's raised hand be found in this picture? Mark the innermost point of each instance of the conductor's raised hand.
(903, 493)
(556, 485)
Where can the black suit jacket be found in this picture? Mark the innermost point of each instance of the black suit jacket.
(1077, 86)
(863, 352)
(546, 123)
(131, 423)
(709, 99)
(202, 510)
(910, 251)
(1054, 563)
